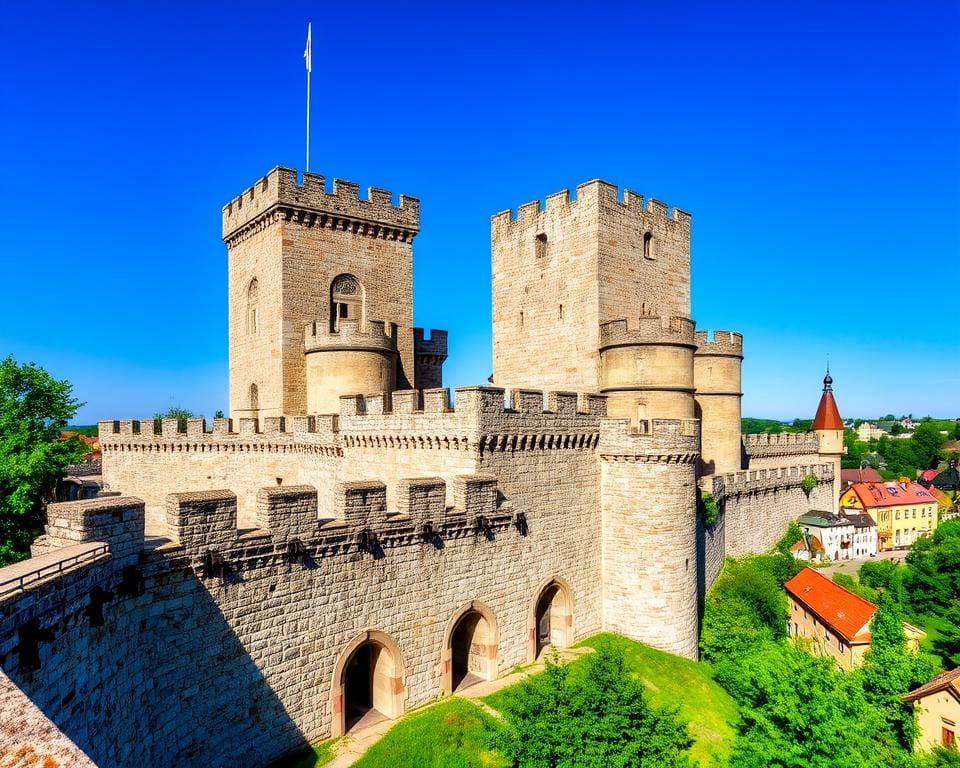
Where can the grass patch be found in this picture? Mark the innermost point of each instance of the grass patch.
(933, 643)
(455, 733)
(677, 683)
(314, 756)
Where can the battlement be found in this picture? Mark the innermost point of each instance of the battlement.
(279, 189)
(723, 343)
(667, 440)
(377, 336)
(592, 193)
(435, 346)
(223, 433)
(648, 330)
(757, 480)
(783, 444)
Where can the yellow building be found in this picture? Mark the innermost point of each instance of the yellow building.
(938, 710)
(902, 511)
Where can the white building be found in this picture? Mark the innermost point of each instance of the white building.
(845, 536)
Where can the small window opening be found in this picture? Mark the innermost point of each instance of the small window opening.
(561, 311)
(648, 249)
(254, 397)
(540, 245)
(253, 297)
(346, 300)
(521, 318)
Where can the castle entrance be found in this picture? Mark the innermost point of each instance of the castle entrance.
(470, 648)
(368, 683)
(551, 619)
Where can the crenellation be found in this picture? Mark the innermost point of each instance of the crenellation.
(202, 520)
(475, 495)
(361, 504)
(646, 330)
(196, 427)
(288, 512)
(723, 343)
(422, 499)
(279, 189)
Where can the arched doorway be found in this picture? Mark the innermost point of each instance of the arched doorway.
(368, 683)
(550, 621)
(469, 648)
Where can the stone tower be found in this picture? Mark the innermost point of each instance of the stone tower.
(320, 294)
(828, 427)
(716, 376)
(563, 271)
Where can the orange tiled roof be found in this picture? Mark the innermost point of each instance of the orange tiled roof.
(944, 681)
(891, 494)
(828, 415)
(865, 475)
(841, 610)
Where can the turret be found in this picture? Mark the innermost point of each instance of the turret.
(646, 369)
(828, 427)
(716, 375)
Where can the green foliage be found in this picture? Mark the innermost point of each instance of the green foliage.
(88, 430)
(927, 442)
(890, 671)
(746, 606)
(453, 734)
(791, 537)
(218, 414)
(933, 576)
(313, 756)
(709, 511)
(878, 574)
(751, 426)
(950, 634)
(176, 412)
(600, 718)
(847, 581)
(941, 757)
(855, 450)
(799, 710)
(809, 482)
(34, 409)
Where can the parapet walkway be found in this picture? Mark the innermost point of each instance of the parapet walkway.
(353, 746)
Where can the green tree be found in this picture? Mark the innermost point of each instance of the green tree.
(601, 717)
(927, 442)
(950, 634)
(933, 569)
(890, 670)
(179, 413)
(34, 409)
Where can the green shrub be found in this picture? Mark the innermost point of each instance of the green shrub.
(809, 482)
(709, 511)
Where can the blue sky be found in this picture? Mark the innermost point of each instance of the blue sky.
(816, 144)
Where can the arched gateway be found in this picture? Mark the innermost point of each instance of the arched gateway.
(470, 645)
(368, 682)
(550, 619)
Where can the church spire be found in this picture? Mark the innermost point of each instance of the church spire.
(828, 415)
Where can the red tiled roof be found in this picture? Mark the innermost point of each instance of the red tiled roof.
(943, 681)
(841, 610)
(865, 475)
(928, 474)
(828, 415)
(891, 494)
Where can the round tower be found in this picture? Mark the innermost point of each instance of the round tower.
(648, 497)
(646, 369)
(716, 375)
(347, 361)
(828, 427)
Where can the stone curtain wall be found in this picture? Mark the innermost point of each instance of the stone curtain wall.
(759, 505)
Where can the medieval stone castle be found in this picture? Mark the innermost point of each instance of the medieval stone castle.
(354, 540)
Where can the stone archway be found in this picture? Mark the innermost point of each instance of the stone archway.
(550, 618)
(368, 682)
(470, 645)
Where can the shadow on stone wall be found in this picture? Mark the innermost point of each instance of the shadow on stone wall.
(163, 682)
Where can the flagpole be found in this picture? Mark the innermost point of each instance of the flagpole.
(308, 54)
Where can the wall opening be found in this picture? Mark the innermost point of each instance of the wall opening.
(540, 245)
(253, 298)
(253, 397)
(346, 300)
(550, 619)
(470, 648)
(649, 249)
(368, 683)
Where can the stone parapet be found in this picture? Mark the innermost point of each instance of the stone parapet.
(309, 203)
(723, 344)
(667, 440)
(377, 337)
(596, 192)
(761, 480)
(782, 444)
(674, 331)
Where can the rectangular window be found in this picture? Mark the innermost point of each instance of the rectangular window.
(947, 737)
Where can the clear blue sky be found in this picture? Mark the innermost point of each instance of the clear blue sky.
(817, 145)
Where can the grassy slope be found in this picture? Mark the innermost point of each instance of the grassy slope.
(455, 733)
(680, 683)
(319, 754)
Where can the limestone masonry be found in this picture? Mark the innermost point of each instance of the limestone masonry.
(356, 539)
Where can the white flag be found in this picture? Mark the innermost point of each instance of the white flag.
(307, 51)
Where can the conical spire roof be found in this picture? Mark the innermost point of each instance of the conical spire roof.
(828, 415)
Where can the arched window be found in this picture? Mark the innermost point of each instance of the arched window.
(648, 249)
(346, 300)
(254, 397)
(253, 296)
